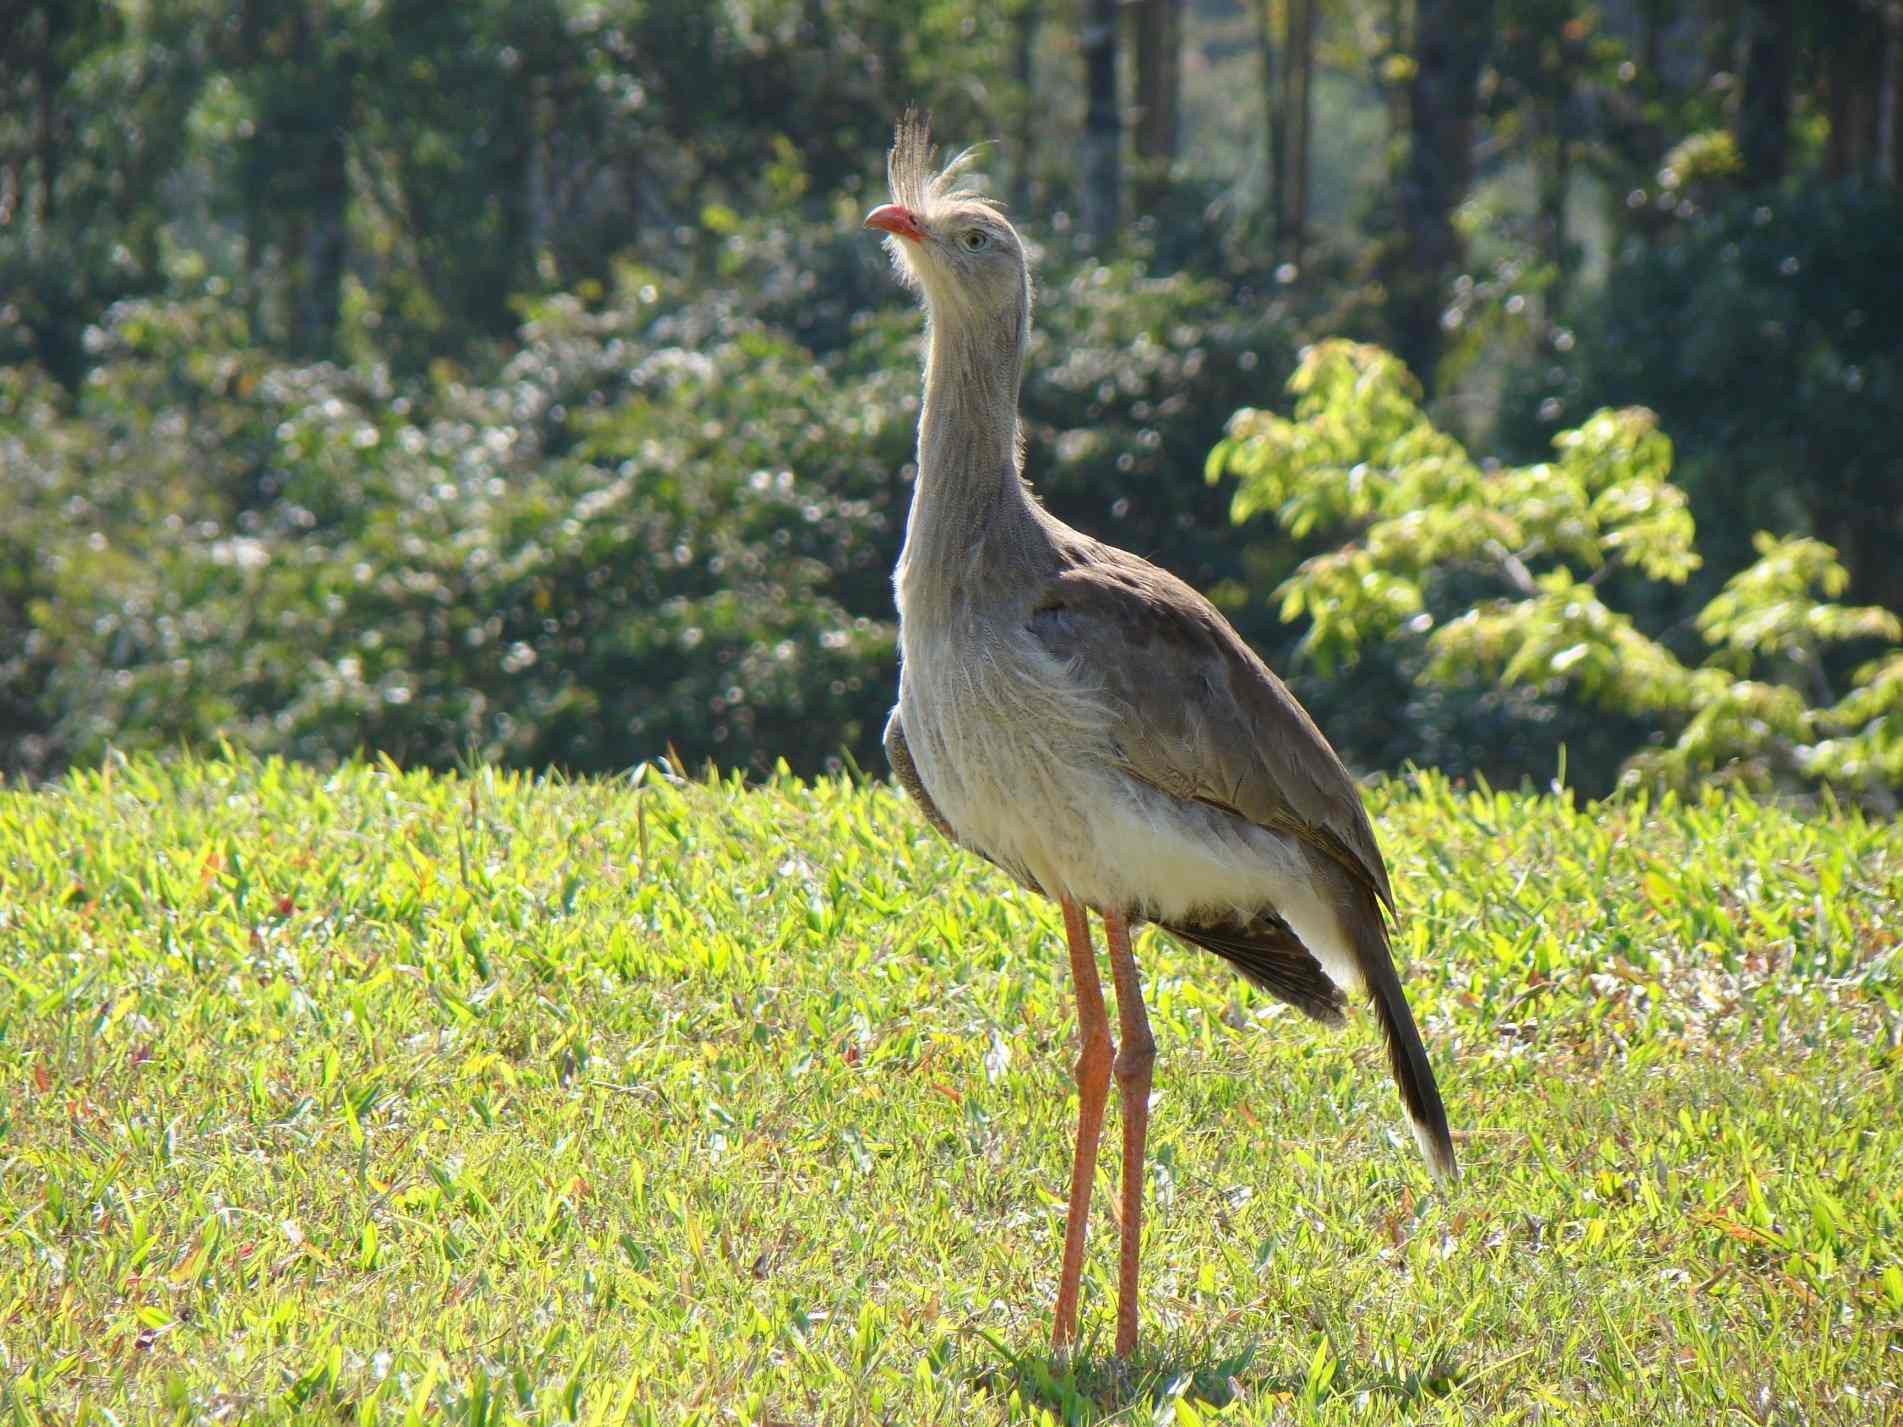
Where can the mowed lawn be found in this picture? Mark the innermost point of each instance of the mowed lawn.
(378, 1097)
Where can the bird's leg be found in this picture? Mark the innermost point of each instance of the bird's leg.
(1093, 1088)
(1133, 1063)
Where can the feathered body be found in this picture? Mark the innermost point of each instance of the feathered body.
(1084, 719)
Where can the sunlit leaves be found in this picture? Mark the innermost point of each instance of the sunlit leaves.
(1769, 609)
(1742, 730)
(1563, 632)
(1869, 724)
(1357, 447)
(1348, 599)
(1360, 452)
(1359, 460)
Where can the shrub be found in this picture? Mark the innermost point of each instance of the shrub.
(1761, 330)
(656, 522)
(1496, 574)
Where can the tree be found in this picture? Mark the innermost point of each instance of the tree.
(1103, 125)
(1298, 81)
(299, 74)
(1859, 47)
(1451, 43)
(1288, 67)
(323, 145)
(1764, 108)
(1158, 45)
(1748, 328)
(1428, 529)
(1030, 14)
(1889, 156)
(94, 107)
(1550, 62)
(1275, 122)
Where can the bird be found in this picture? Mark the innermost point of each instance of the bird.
(1093, 726)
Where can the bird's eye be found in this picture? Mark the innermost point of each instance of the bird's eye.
(976, 240)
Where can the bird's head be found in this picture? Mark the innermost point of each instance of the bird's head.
(948, 241)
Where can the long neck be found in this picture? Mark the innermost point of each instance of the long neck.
(968, 491)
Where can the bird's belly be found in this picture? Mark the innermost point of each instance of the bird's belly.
(993, 728)
(1020, 758)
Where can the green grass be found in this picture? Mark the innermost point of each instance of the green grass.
(376, 1097)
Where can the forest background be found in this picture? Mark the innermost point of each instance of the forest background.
(512, 381)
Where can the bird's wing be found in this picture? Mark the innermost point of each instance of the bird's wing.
(899, 754)
(1196, 713)
(1267, 951)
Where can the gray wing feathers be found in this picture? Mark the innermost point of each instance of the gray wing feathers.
(899, 755)
(1266, 951)
(1198, 714)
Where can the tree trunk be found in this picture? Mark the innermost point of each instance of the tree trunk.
(1852, 100)
(1298, 73)
(1644, 120)
(1393, 92)
(1889, 161)
(1277, 127)
(1159, 70)
(324, 236)
(1451, 39)
(538, 198)
(1764, 108)
(1562, 185)
(326, 245)
(1286, 207)
(250, 54)
(46, 142)
(1029, 14)
(1552, 168)
(1103, 125)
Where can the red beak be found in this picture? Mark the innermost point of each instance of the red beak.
(898, 220)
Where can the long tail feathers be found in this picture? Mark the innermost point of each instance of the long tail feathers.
(1406, 1055)
(1273, 957)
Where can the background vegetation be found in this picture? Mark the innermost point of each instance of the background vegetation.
(511, 380)
(508, 385)
(385, 1097)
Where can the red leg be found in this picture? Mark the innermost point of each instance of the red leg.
(1133, 1065)
(1093, 1088)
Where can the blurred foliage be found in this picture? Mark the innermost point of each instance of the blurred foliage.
(1425, 520)
(661, 521)
(102, 100)
(618, 543)
(1762, 331)
(514, 379)
(1128, 378)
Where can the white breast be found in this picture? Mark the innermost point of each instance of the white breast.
(1018, 752)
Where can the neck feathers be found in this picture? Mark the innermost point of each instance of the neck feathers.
(969, 489)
